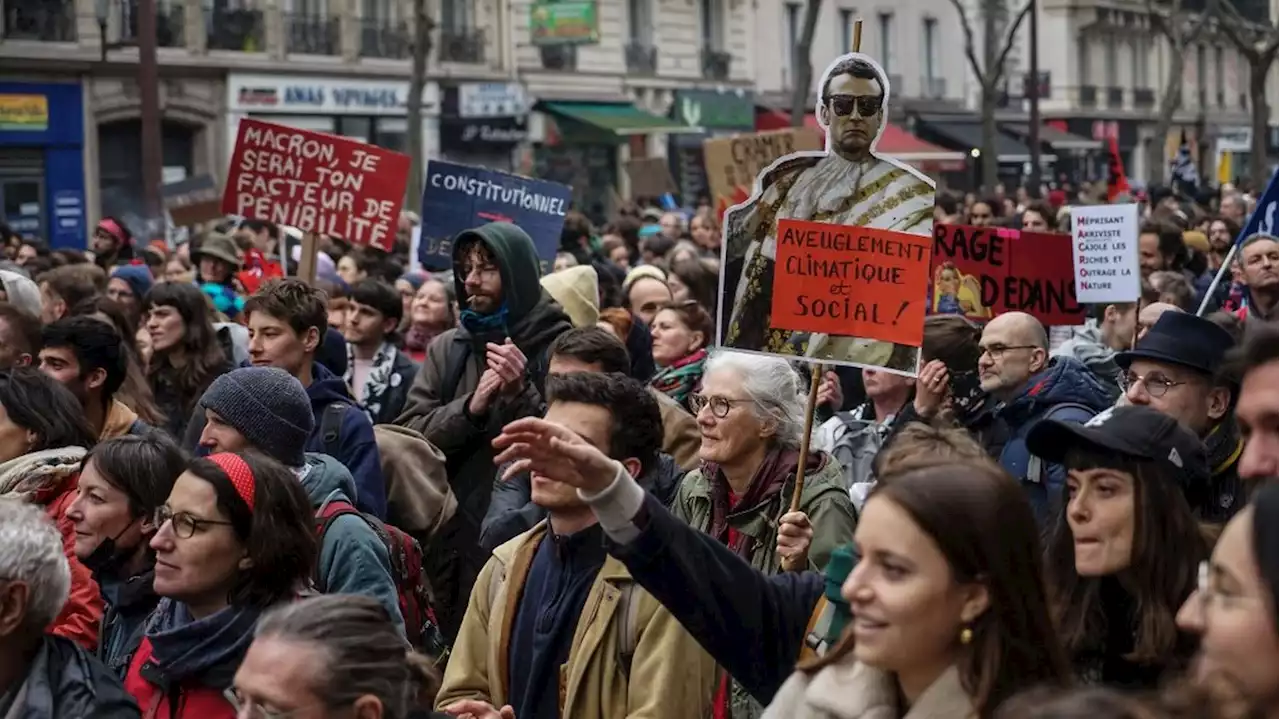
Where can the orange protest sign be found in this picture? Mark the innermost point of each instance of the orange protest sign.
(851, 281)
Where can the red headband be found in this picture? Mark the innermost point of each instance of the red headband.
(237, 470)
(113, 229)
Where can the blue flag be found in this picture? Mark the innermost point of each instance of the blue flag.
(461, 197)
(1264, 218)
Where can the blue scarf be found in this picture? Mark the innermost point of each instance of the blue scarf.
(478, 324)
(208, 650)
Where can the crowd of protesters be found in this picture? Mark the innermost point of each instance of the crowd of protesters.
(485, 492)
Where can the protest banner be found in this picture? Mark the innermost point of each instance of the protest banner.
(882, 195)
(193, 200)
(733, 163)
(461, 197)
(853, 281)
(316, 182)
(981, 272)
(1104, 253)
(649, 177)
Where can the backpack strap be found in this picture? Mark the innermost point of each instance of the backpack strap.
(1035, 465)
(325, 517)
(331, 428)
(454, 367)
(629, 612)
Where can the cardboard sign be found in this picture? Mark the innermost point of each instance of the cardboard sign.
(1104, 253)
(851, 281)
(460, 197)
(981, 272)
(733, 162)
(650, 177)
(316, 182)
(846, 190)
(193, 200)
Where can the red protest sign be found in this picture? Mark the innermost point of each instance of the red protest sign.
(850, 281)
(316, 182)
(982, 272)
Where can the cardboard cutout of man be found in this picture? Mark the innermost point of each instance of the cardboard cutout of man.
(848, 184)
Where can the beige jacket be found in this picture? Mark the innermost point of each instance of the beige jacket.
(670, 676)
(680, 436)
(852, 690)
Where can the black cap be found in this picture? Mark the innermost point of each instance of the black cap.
(1182, 339)
(1134, 431)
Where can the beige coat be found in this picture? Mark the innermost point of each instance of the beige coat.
(671, 677)
(680, 435)
(852, 690)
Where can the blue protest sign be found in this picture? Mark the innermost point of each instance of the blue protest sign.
(460, 197)
(1264, 218)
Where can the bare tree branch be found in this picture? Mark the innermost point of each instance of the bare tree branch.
(1008, 43)
(969, 50)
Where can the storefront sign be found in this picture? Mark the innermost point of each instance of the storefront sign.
(317, 183)
(492, 99)
(493, 131)
(461, 197)
(711, 110)
(24, 112)
(564, 23)
(325, 96)
(1235, 139)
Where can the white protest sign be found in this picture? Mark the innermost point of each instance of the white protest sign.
(1104, 251)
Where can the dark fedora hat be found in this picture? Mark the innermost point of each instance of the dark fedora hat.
(1181, 339)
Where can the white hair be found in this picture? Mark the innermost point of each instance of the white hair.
(772, 385)
(32, 554)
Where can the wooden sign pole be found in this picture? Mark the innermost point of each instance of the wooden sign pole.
(307, 258)
(815, 381)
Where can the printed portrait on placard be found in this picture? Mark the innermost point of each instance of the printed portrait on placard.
(849, 183)
(955, 293)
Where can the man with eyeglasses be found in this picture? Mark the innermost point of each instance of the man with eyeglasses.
(1177, 369)
(1015, 369)
(848, 185)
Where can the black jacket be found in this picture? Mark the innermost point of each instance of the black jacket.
(752, 625)
(512, 511)
(67, 682)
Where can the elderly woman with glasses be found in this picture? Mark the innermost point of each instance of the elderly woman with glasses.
(235, 537)
(751, 419)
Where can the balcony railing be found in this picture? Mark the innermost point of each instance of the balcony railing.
(171, 26)
(715, 64)
(234, 29)
(1144, 97)
(464, 45)
(381, 39)
(44, 20)
(559, 57)
(1115, 97)
(1088, 96)
(309, 34)
(642, 59)
(933, 88)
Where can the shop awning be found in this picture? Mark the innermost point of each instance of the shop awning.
(1053, 137)
(965, 135)
(617, 118)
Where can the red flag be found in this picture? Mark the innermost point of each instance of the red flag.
(259, 268)
(1116, 180)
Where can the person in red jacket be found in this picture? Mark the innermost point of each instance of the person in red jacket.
(44, 436)
(235, 537)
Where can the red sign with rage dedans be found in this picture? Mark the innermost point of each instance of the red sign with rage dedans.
(316, 182)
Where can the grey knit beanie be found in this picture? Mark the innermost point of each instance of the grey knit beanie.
(268, 406)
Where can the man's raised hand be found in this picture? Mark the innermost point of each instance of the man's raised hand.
(547, 449)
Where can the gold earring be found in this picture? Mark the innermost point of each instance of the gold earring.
(966, 635)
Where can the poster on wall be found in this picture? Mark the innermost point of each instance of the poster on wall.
(878, 209)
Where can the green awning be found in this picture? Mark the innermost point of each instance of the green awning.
(617, 118)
